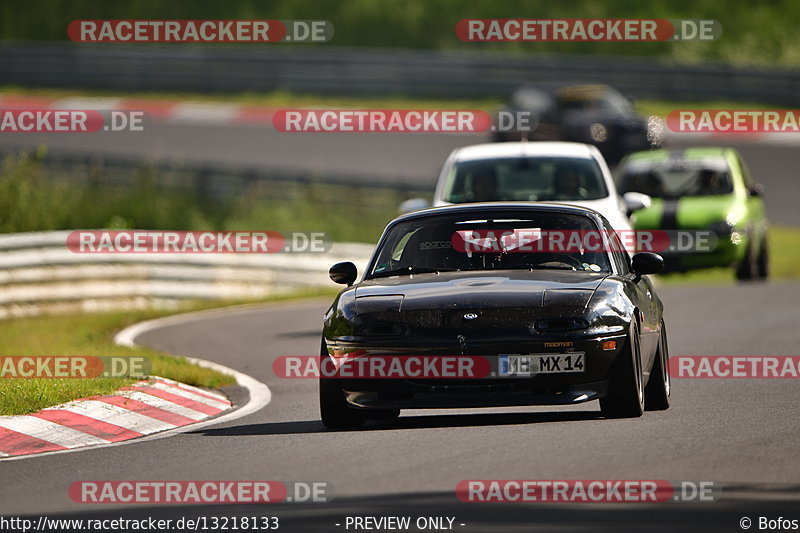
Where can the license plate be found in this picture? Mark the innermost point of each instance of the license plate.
(528, 365)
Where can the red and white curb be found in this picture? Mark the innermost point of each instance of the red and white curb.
(175, 111)
(152, 409)
(221, 113)
(144, 408)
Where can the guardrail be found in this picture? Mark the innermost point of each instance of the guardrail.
(208, 178)
(38, 274)
(359, 71)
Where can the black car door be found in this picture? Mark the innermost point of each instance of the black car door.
(643, 295)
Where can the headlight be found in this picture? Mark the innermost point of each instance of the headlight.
(655, 131)
(598, 132)
(606, 313)
(722, 229)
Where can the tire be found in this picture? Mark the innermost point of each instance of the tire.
(748, 267)
(333, 408)
(625, 397)
(762, 262)
(656, 393)
(383, 414)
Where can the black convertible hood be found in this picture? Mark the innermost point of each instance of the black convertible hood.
(469, 290)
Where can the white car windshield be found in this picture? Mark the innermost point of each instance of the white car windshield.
(526, 179)
(710, 177)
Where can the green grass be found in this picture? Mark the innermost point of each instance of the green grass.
(754, 33)
(784, 262)
(32, 198)
(91, 334)
(661, 108)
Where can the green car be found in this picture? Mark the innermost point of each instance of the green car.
(701, 190)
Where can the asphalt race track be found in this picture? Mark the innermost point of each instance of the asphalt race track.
(741, 434)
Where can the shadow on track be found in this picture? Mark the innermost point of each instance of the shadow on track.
(407, 422)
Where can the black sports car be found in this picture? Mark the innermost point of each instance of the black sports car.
(591, 114)
(553, 324)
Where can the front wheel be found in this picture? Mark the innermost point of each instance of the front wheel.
(625, 397)
(747, 269)
(333, 408)
(763, 258)
(656, 393)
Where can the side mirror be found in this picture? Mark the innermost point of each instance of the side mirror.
(344, 273)
(756, 190)
(644, 263)
(634, 201)
(413, 204)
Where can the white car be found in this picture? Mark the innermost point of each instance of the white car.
(570, 173)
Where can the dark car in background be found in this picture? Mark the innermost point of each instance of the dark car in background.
(591, 114)
(556, 327)
(702, 189)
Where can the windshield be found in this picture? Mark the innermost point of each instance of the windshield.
(527, 179)
(593, 99)
(473, 242)
(677, 181)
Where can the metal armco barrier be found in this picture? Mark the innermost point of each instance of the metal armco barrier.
(38, 274)
(355, 71)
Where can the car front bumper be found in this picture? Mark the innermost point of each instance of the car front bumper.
(726, 254)
(492, 390)
(443, 397)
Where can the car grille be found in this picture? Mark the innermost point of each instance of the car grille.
(454, 319)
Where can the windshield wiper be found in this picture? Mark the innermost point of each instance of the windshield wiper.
(405, 271)
(551, 267)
